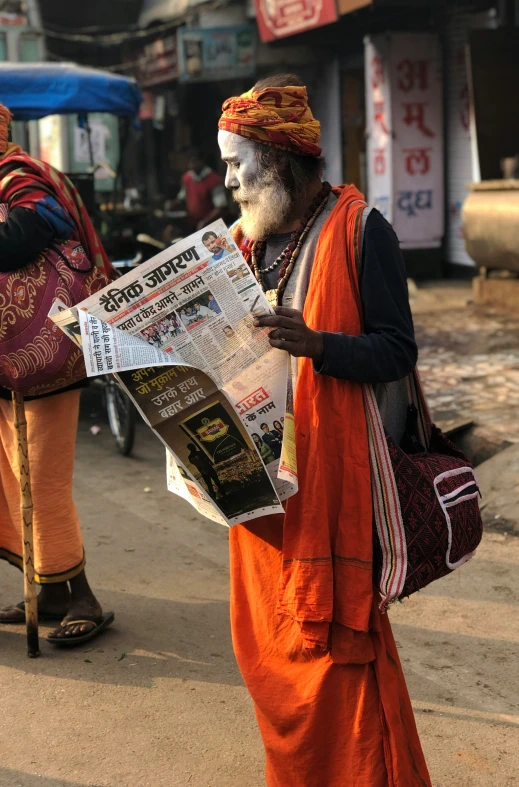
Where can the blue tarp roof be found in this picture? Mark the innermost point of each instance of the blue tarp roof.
(33, 90)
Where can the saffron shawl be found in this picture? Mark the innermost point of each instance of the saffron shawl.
(327, 574)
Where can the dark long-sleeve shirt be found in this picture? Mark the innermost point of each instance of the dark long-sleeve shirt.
(22, 237)
(386, 351)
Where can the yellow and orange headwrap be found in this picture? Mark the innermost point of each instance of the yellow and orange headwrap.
(5, 121)
(276, 116)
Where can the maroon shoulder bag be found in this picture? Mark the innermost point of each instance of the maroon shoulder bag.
(425, 499)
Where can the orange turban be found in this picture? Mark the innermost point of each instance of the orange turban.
(5, 121)
(276, 116)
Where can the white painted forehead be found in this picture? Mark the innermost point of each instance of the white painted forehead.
(235, 146)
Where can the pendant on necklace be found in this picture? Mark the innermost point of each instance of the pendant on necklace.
(272, 297)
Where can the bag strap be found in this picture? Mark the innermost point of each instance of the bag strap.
(417, 397)
(386, 504)
(415, 391)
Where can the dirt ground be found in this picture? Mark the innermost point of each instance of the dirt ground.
(158, 702)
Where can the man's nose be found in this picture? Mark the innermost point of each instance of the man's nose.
(231, 181)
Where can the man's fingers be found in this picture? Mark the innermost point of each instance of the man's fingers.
(281, 344)
(286, 311)
(283, 333)
(275, 321)
(283, 317)
(289, 327)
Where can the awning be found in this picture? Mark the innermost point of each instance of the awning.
(34, 90)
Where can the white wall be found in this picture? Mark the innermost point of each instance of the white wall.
(326, 106)
(462, 155)
(460, 158)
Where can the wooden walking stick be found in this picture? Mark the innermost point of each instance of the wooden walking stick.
(29, 584)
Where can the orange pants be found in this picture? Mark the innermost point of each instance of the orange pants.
(339, 719)
(51, 431)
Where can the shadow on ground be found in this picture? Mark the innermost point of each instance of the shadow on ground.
(151, 638)
(9, 778)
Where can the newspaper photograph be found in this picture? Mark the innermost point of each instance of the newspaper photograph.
(178, 333)
(180, 483)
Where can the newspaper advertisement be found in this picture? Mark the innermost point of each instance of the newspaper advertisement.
(178, 333)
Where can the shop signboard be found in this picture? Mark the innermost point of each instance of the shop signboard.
(13, 20)
(13, 14)
(405, 135)
(417, 104)
(378, 124)
(282, 18)
(211, 54)
(158, 61)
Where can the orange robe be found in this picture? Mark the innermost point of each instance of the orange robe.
(324, 723)
(316, 654)
(51, 431)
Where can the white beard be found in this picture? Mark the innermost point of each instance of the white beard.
(265, 207)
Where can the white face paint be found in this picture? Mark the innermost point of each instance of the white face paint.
(265, 203)
(239, 154)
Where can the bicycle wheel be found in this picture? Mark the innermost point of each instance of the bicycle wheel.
(121, 417)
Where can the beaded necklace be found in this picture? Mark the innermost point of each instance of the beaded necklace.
(288, 257)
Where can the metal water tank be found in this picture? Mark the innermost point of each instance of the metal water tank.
(491, 224)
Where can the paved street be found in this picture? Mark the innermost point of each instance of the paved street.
(469, 360)
(158, 702)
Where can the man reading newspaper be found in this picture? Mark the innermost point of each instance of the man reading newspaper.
(316, 654)
(318, 657)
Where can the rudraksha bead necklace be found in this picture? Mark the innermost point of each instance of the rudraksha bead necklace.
(288, 257)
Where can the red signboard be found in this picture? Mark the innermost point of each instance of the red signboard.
(12, 20)
(281, 18)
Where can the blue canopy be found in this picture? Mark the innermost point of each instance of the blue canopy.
(34, 90)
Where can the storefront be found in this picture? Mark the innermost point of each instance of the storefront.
(408, 130)
(186, 73)
(388, 79)
(379, 97)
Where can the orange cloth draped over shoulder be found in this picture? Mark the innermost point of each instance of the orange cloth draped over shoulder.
(316, 654)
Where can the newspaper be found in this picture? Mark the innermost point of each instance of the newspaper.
(178, 334)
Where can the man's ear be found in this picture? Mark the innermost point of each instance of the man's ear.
(284, 168)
